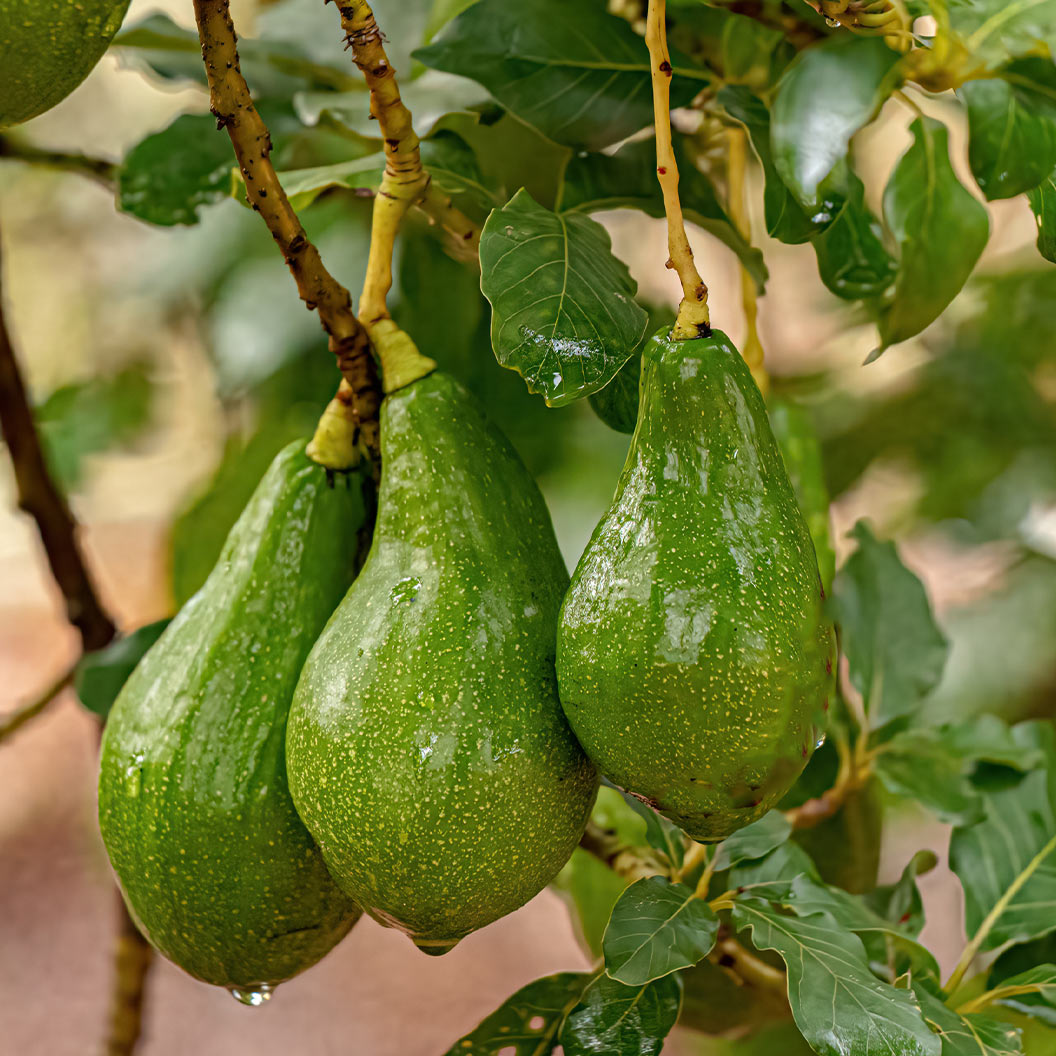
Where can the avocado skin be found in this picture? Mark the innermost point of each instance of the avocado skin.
(214, 862)
(427, 750)
(47, 47)
(693, 655)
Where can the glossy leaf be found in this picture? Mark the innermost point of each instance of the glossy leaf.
(900, 902)
(771, 877)
(940, 228)
(657, 928)
(896, 652)
(969, 1035)
(825, 96)
(1012, 128)
(563, 310)
(620, 1020)
(303, 186)
(662, 835)
(1043, 205)
(627, 180)
(994, 31)
(573, 71)
(1022, 960)
(853, 261)
(840, 1007)
(169, 176)
(931, 775)
(101, 674)
(1007, 862)
(753, 841)
(1032, 992)
(786, 219)
(527, 1023)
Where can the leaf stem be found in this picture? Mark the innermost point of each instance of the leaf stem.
(15, 148)
(999, 993)
(731, 955)
(977, 940)
(622, 859)
(855, 770)
(17, 718)
(693, 319)
(736, 172)
(359, 396)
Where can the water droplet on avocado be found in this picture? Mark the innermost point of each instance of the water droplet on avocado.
(255, 997)
(406, 590)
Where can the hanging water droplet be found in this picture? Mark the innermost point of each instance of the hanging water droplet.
(819, 742)
(832, 23)
(255, 997)
(406, 590)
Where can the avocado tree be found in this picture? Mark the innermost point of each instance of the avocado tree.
(382, 693)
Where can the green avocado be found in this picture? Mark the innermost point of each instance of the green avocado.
(47, 47)
(427, 750)
(215, 864)
(801, 452)
(694, 659)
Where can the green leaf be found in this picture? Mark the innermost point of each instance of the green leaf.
(840, 1007)
(627, 180)
(940, 228)
(303, 186)
(527, 1023)
(617, 404)
(563, 310)
(989, 739)
(1022, 960)
(786, 220)
(574, 72)
(852, 259)
(1043, 204)
(895, 651)
(1032, 992)
(753, 841)
(1007, 862)
(169, 176)
(900, 902)
(970, 1035)
(994, 31)
(660, 834)
(101, 674)
(619, 1020)
(657, 928)
(921, 768)
(97, 415)
(825, 96)
(1012, 128)
(772, 877)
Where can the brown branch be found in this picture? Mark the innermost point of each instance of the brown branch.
(232, 104)
(133, 957)
(626, 861)
(16, 719)
(40, 497)
(16, 149)
(753, 971)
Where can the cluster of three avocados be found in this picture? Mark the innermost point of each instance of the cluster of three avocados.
(282, 757)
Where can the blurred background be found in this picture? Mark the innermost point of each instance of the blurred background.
(169, 363)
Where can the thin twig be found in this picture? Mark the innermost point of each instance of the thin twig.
(14, 720)
(693, 319)
(629, 862)
(16, 149)
(40, 497)
(133, 957)
(232, 104)
(736, 171)
(731, 955)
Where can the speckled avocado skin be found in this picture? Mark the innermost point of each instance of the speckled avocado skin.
(47, 47)
(693, 656)
(427, 750)
(194, 807)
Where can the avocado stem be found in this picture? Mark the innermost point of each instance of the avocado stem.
(693, 319)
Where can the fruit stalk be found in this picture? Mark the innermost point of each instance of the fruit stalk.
(358, 398)
(40, 497)
(693, 319)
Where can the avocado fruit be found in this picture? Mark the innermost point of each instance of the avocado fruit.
(215, 865)
(47, 47)
(694, 657)
(427, 750)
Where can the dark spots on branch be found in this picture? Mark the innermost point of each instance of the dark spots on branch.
(665, 68)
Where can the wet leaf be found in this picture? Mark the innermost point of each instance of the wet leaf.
(620, 1020)
(563, 310)
(753, 841)
(970, 1035)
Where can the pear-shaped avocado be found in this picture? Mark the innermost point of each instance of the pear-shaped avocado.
(194, 808)
(693, 654)
(47, 47)
(427, 750)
